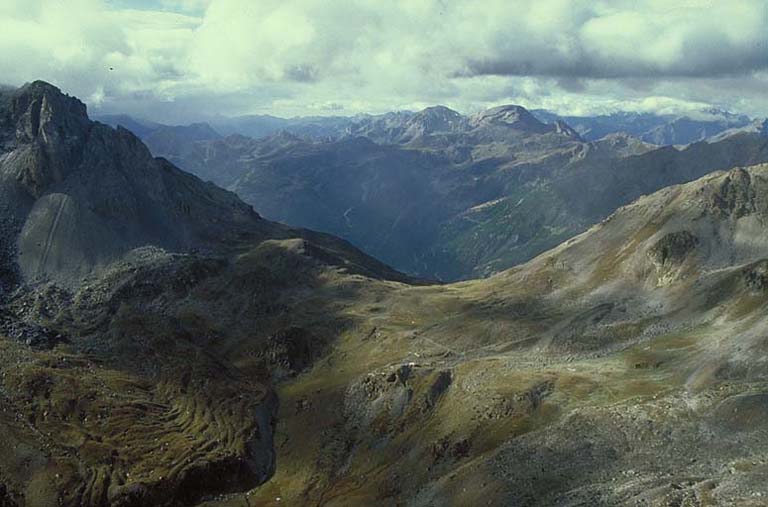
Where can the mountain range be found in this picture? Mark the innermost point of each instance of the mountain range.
(664, 129)
(445, 196)
(163, 344)
(659, 129)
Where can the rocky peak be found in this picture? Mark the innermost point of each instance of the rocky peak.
(46, 130)
(43, 112)
(433, 120)
(82, 194)
(512, 116)
(563, 128)
(736, 194)
(673, 248)
(439, 114)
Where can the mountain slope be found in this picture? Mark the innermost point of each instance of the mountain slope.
(625, 366)
(84, 194)
(124, 283)
(540, 214)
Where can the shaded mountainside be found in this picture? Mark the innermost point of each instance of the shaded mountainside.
(84, 194)
(449, 197)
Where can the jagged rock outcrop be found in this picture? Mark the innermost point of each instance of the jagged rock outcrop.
(736, 195)
(672, 248)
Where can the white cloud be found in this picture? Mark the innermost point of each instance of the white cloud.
(242, 56)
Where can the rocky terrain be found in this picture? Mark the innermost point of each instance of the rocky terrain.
(238, 362)
(114, 385)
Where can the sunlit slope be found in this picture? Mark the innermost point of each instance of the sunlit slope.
(625, 366)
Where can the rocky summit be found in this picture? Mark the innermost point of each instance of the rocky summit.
(161, 344)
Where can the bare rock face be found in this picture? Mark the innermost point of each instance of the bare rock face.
(50, 127)
(735, 195)
(84, 194)
(756, 276)
(564, 129)
(289, 351)
(673, 248)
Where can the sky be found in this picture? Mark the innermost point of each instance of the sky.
(185, 60)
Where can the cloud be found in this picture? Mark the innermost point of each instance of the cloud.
(90, 49)
(184, 58)
(635, 39)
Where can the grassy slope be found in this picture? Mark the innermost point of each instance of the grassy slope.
(588, 376)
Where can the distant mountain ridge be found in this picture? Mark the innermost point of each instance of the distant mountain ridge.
(758, 127)
(403, 126)
(659, 129)
(449, 196)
